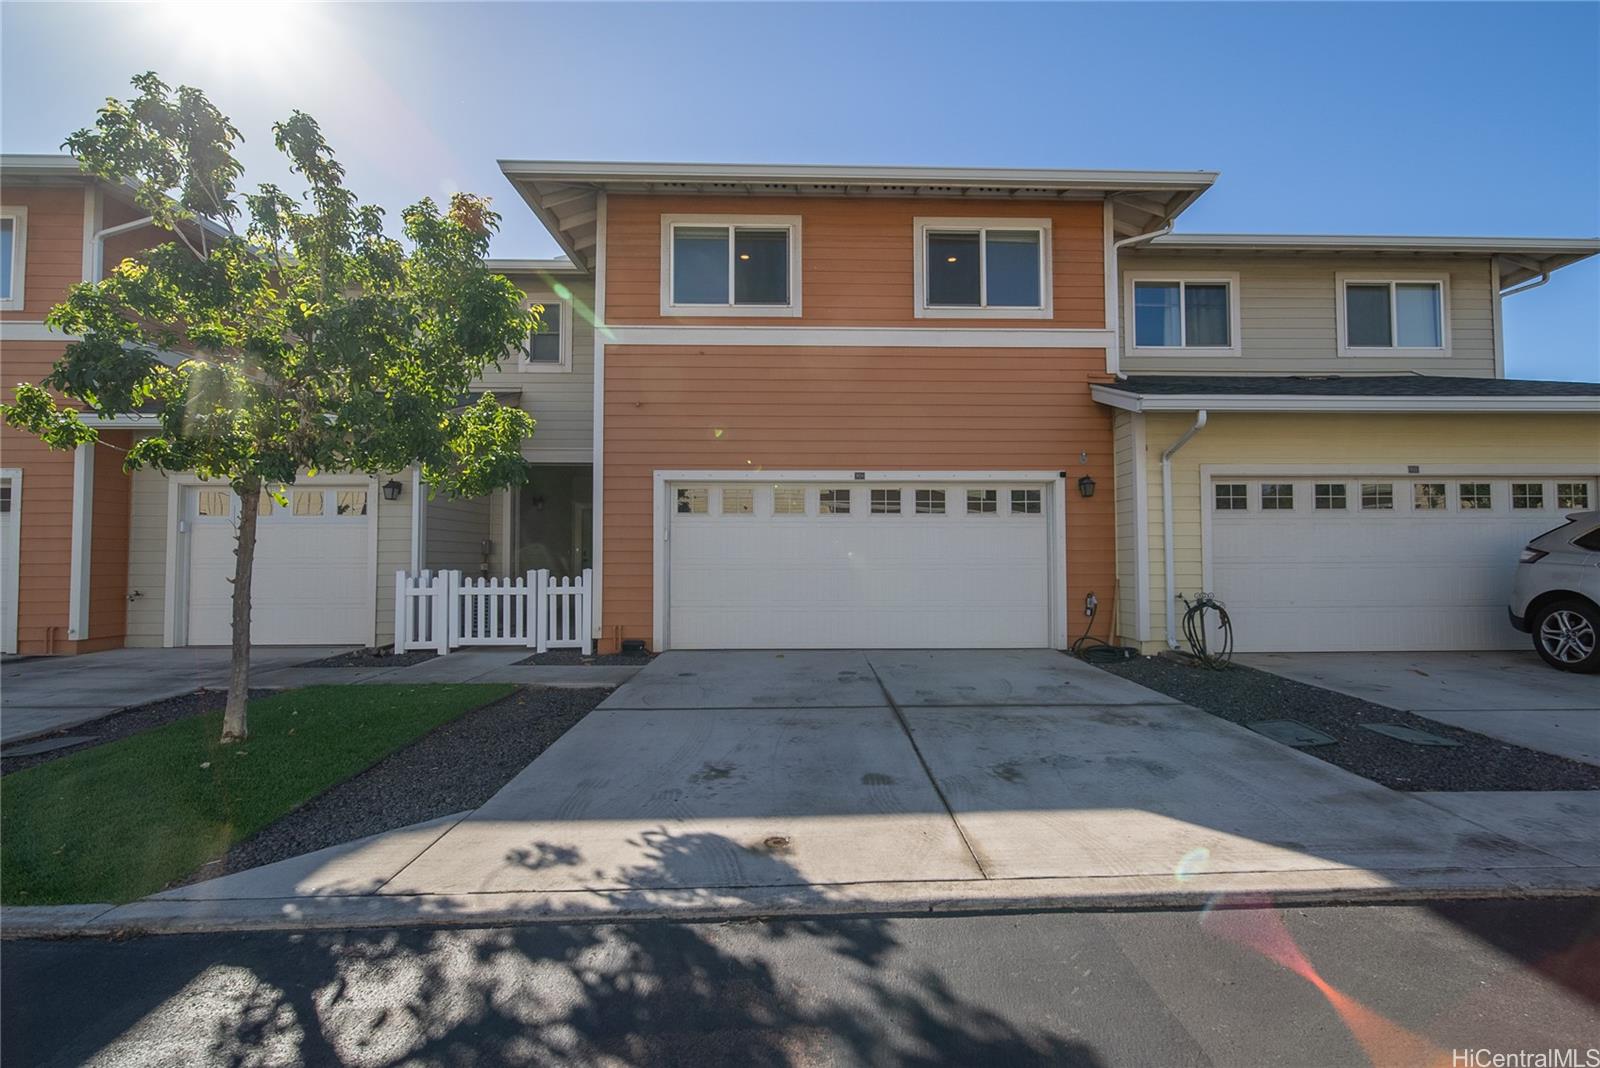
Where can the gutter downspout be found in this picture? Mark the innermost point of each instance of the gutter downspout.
(1166, 523)
(1543, 278)
(113, 231)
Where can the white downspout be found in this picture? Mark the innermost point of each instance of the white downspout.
(1542, 279)
(1166, 523)
(112, 231)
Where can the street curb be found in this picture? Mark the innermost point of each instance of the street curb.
(1110, 893)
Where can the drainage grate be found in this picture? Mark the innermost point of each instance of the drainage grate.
(1409, 735)
(1288, 732)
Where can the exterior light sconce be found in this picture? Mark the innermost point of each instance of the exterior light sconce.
(391, 490)
(1086, 486)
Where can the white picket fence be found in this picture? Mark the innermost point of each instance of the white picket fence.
(444, 610)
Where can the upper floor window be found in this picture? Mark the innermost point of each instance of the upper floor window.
(549, 347)
(730, 265)
(983, 268)
(13, 238)
(1190, 312)
(1386, 315)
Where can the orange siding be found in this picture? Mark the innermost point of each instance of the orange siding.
(738, 408)
(53, 245)
(108, 559)
(856, 257)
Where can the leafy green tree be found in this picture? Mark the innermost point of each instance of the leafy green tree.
(310, 341)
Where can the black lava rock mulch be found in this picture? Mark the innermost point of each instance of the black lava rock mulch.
(458, 766)
(1244, 695)
(122, 724)
(386, 657)
(575, 658)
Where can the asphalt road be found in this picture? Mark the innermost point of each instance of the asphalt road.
(1335, 986)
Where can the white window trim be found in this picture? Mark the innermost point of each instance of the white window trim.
(1046, 310)
(563, 310)
(1344, 279)
(791, 223)
(19, 256)
(1227, 278)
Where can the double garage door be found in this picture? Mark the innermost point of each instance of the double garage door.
(312, 583)
(860, 564)
(1329, 563)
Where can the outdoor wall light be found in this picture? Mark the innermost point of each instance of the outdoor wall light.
(391, 490)
(1086, 486)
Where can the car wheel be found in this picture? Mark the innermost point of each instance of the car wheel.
(1567, 635)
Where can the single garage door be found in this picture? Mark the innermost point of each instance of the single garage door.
(312, 583)
(1373, 563)
(775, 565)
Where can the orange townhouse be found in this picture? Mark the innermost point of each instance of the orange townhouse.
(64, 544)
(850, 406)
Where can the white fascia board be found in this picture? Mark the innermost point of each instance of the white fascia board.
(1382, 242)
(832, 475)
(817, 174)
(560, 265)
(1215, 402)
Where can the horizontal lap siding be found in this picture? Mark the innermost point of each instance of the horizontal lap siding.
(856, 257)
(44, 550)
(1314, 440)
(53, 245)
(738, 408)
(561, 402)
(1288, 314)
(108, 559)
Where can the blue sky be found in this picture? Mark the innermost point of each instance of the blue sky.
(1476, 119)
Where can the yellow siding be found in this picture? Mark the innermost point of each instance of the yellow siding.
(1321, 440)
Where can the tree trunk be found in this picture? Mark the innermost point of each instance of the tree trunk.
(235, 726)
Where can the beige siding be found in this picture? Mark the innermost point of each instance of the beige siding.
(1237, 438)
(1288, 315)
(1124, 463)
(394, 551)
(456, 529)
(562, 402)
(147, 559)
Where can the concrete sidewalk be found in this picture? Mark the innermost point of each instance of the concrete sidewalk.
(1511, 695)
(737, 784)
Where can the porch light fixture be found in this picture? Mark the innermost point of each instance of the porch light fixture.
(1086, 486)
(391, 490)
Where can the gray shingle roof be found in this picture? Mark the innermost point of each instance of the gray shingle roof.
(1348, 386)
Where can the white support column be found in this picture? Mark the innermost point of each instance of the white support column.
(598, 470)
(82, 535)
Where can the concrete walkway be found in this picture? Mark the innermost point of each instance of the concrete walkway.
(1511, 695)
(736, 784)
(46, 694)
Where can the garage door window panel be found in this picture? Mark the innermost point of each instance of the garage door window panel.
(1027, 502)
(213, 504)
(1527, 496)
(833, 502)
(930, 502)
(692, 500)
(983, 502)
(885, 502)
(1277, 496)
(788, 500)
(1232, 497)
(1377, 496)
(1573, 495)
(1475, 496)
(350, 503)
(1429, 497)
(1330, 497)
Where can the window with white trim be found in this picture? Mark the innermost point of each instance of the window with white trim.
(833, 502)
(983, 502)
(1474, 495)
(1428, 497)
(738, 500)
(350, 502)
(788, 500)
(1184, 313)
(1379, 315)
(1329, 496)
(885, 502)
(730, 265)
(1377, 496)
(983, 268)
(1231, 497)
(692, 500)
(1277, 496)
(13, 257)
(549, 346)
(1527, 495)
(1572, 495)
(930, 502)
(1027, 501)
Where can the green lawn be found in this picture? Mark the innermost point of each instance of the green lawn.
(124, 819)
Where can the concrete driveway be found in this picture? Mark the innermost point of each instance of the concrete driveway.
(45, 694)
(711, 777)
(1510, 695)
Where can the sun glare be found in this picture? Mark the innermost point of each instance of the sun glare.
(246, 36)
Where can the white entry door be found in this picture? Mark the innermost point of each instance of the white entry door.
(1333, 564)
(774, 565)
(312, 583)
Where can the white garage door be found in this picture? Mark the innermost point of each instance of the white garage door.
(311, 585)
(1373, 563)
(865, 565)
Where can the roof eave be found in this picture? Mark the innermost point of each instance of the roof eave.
(1129, 401)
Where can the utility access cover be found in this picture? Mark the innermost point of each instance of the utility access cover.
(1288, 732)
(1408, 734)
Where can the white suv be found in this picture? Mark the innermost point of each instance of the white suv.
(1556, 593)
